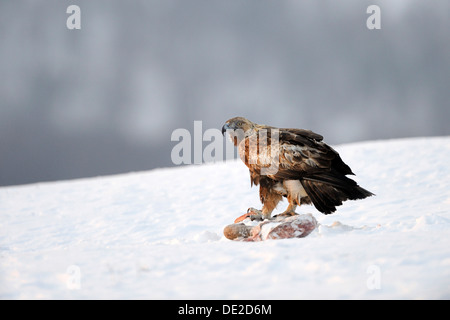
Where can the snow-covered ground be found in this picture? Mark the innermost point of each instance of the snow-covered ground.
(158, 234)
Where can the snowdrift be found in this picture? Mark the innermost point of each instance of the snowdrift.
(158, 234)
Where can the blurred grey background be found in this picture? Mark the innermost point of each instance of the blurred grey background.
(105, 99)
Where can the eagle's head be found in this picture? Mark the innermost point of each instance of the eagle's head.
(238, 128)
(238, 123)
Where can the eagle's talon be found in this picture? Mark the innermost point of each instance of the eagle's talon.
(286, 214)
(257, 217)
(252, 213)
(255, 214)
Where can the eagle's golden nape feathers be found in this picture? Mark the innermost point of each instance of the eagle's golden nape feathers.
(308, 171)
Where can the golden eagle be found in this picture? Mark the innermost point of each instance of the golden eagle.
(292, 163)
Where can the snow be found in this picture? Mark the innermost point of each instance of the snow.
(158, 234)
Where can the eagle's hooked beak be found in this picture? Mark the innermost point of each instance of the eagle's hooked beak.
(225, 128)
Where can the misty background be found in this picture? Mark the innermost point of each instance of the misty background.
(105, 99)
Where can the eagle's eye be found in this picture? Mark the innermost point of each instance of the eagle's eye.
(239, 123)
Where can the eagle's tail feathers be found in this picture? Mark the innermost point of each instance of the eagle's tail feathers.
(327, 191)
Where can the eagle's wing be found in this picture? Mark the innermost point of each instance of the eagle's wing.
(295, 154)
(302, 157)
(301, 134)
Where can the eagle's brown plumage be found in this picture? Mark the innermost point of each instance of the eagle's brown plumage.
(293, 163)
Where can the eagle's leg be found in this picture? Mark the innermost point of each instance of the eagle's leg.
(269, 199)
(290, 211)
(267, 211)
